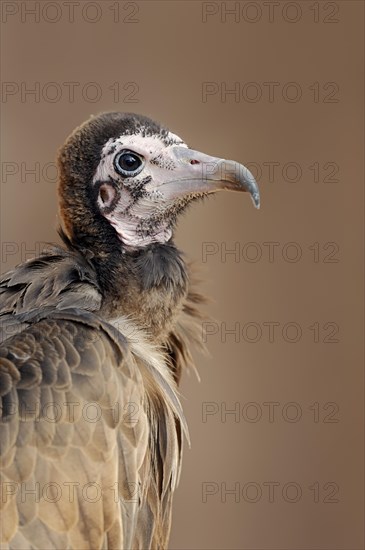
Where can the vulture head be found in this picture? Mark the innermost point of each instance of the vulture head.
(124, 180)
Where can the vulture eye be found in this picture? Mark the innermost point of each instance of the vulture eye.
(128, 164)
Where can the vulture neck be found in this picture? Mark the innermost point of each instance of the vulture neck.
(148, 285)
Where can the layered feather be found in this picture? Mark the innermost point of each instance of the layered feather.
(92, 427)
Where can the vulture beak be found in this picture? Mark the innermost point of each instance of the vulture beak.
(198, 173)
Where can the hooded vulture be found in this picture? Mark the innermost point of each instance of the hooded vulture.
(94, 336)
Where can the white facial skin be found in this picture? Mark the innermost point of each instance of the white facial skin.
(142, 205)
(135, 205)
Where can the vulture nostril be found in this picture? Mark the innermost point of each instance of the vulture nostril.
(193, 161)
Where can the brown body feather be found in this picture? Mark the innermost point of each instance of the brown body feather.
(91, 430)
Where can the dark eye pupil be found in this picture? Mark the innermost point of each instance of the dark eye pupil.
(129, 162)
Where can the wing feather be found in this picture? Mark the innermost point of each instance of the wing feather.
(92, 427)
(59, 380)
(89, 436)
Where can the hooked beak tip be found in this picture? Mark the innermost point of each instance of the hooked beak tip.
(256, 200)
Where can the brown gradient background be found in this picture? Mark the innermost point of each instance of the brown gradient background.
(169, 53)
